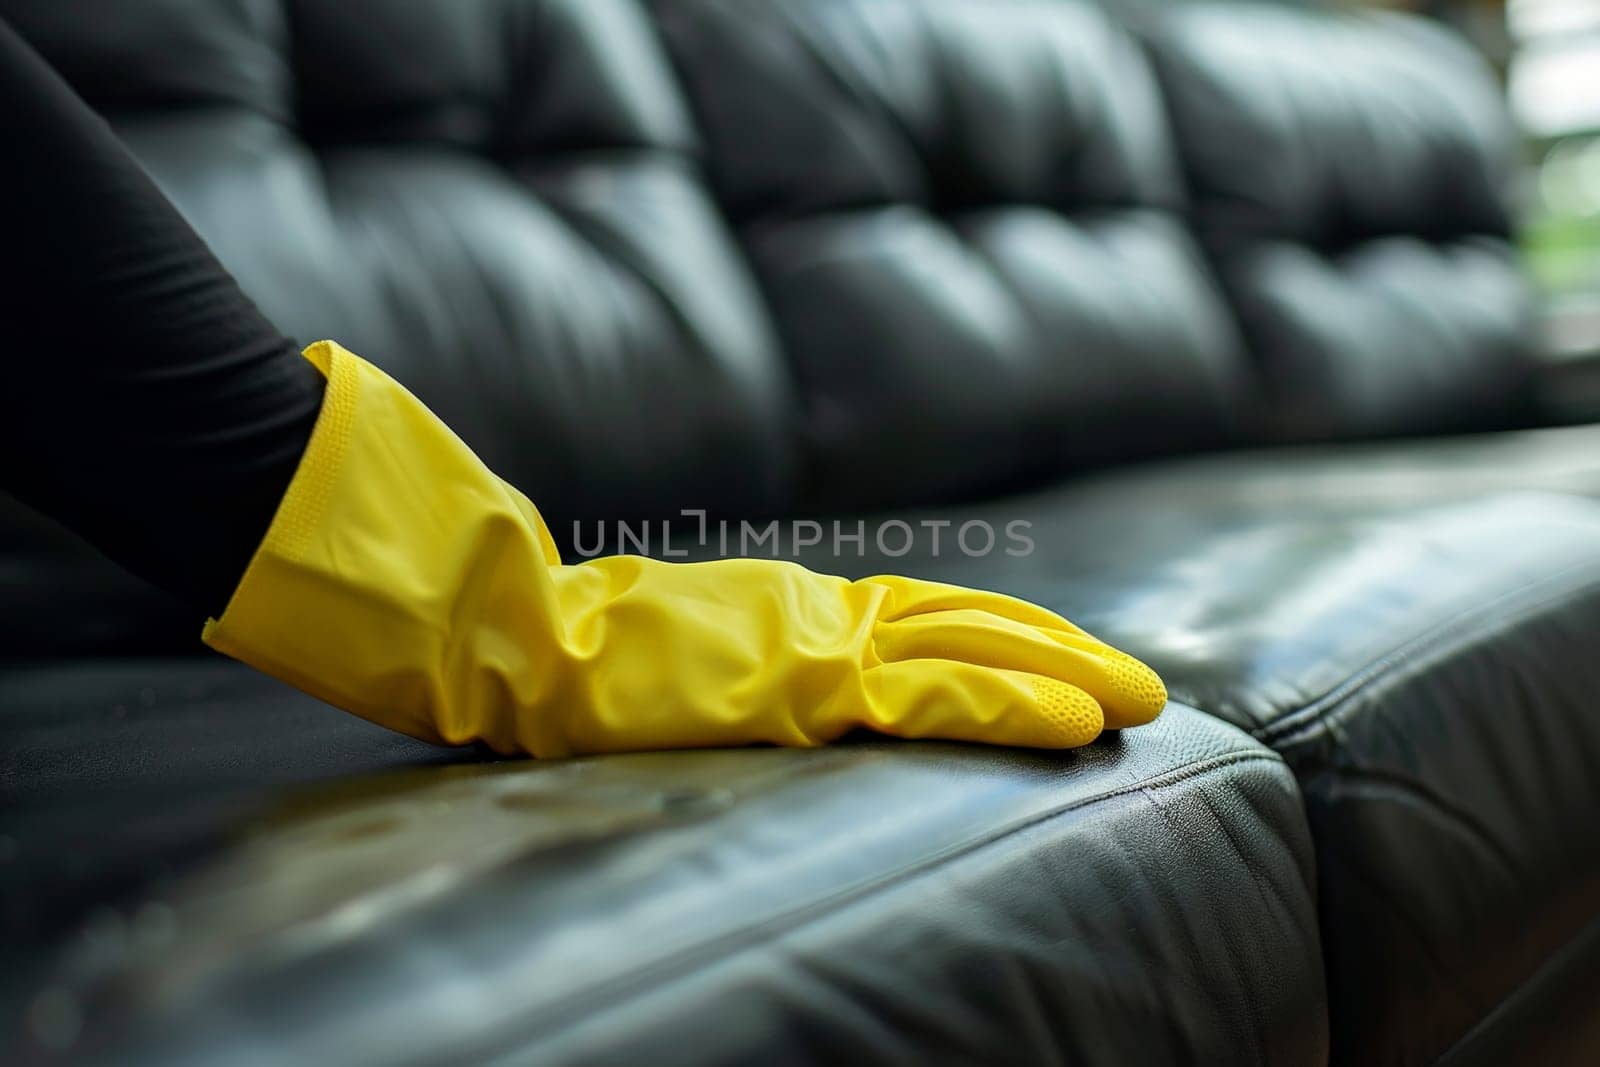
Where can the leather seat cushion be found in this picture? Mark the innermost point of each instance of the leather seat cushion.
(1425, 671)
(1429, 673)
(233, 867)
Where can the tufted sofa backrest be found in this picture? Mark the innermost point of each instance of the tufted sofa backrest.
(652, 254)
(963, 216)
(495, 200)
(772, 255)
(1351, 176)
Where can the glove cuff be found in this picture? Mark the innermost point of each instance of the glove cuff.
(400, 579)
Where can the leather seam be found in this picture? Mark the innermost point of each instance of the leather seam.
(1521, 603)
(1461, 821)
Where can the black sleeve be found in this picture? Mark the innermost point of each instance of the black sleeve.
(144, 401)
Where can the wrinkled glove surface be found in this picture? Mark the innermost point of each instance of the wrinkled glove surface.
(403, 581)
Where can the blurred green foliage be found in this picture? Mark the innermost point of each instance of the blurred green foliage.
(1563, 252)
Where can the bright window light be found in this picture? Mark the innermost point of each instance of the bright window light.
(1555, 88)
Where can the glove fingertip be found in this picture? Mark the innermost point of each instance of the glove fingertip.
(1068, 717)
(1137, 692)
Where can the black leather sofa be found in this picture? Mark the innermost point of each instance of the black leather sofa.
(1139, 280)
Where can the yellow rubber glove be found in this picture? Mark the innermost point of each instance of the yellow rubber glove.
(401, 580)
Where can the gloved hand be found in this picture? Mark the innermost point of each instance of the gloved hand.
(401, 580)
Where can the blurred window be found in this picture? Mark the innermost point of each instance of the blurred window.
(1554, 82)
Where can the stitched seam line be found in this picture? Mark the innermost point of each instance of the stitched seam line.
(1524, 602)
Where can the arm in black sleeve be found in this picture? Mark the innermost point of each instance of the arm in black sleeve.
(145, 402)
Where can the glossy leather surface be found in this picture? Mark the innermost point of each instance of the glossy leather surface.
(1424, 670)
(1428, 672)
(1351, 176)
(966, 211)
(1149, 896)
(962, 216)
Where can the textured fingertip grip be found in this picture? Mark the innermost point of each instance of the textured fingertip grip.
(1138, 694)
(1069, 717)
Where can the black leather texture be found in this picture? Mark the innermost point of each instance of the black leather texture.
(1427, 672)
(1351, 176)
(835, 257)
(963, 218)
(1422, 670)
(873, 902)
